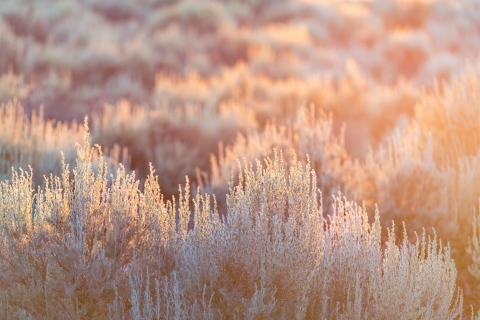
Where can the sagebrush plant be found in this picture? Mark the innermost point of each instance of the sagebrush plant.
(427, 174)
(90, 248)
(37, 142)
(474, 249)
(308, 137)
(66, 243)
(33, 141)
(176, 140)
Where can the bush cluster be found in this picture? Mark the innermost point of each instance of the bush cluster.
(300, 127)
(93, 248)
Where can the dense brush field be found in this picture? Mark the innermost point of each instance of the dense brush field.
(239, 159)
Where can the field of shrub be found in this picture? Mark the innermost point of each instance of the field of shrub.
(254, 159)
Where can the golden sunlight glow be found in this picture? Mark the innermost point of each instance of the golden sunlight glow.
(240, 159)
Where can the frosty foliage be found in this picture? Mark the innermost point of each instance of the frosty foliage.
(86, 248)
(282, 116)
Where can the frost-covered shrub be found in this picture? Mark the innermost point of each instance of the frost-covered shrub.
(32, 141)
(428, 173)
(176, 140)
(85, 248)
(309, 138)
